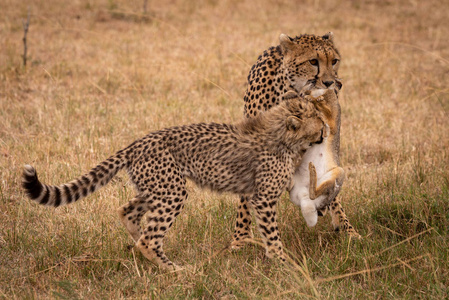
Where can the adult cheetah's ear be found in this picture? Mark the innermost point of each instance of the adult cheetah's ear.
(286, 43)
(293, 123)
(329, 36)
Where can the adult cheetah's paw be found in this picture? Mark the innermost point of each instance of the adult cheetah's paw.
(236, 245)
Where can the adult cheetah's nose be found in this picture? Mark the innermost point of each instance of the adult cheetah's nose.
(328, 83)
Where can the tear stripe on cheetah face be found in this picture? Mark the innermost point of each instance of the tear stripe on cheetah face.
(255, 157)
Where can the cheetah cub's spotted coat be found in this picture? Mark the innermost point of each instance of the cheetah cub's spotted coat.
(255, 158)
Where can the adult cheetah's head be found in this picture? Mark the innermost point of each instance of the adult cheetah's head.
(311, 63)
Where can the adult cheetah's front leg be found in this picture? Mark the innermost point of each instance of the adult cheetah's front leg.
(340, 221)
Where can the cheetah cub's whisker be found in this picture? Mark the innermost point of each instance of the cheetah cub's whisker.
(255, 158)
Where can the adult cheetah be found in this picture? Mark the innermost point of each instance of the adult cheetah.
(306, 64)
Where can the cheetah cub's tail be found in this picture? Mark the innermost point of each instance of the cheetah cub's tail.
(74, 190)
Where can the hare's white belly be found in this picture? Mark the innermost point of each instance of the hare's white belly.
(299, 194)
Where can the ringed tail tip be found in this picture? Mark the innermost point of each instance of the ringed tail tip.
(28, 170)
(30, 182)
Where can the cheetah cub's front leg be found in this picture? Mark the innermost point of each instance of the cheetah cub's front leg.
(242, 232)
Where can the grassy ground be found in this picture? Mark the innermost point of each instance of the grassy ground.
(100, 74)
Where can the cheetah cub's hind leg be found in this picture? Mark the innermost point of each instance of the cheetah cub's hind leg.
(160, 212)
(131, 214)
(159, 218)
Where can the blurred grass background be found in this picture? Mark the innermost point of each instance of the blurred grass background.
(103, 73)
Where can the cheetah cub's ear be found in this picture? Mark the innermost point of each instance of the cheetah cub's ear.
(293, 123)
(329, 36)
(290, 95)
(286, 43)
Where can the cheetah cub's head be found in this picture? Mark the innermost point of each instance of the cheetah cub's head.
(310, 63)
(304, 123)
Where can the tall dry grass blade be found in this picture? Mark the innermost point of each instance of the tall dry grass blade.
(406, 264)
(43, 271)
(214, 84)
(332, 278)
(49, 75)
(135, 263)
(439, 57)
(211, 257)
(392, 231)
(293, 266)
(278, 287)
(98, 87)
(401, 242)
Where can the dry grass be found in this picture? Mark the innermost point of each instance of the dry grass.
(101, 74)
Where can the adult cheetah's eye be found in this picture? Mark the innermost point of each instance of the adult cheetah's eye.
(314, 62)
(334, 62)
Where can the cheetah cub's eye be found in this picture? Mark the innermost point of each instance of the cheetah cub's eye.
(313, 62)
(334, 62)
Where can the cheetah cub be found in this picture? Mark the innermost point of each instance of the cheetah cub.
(255, 158)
